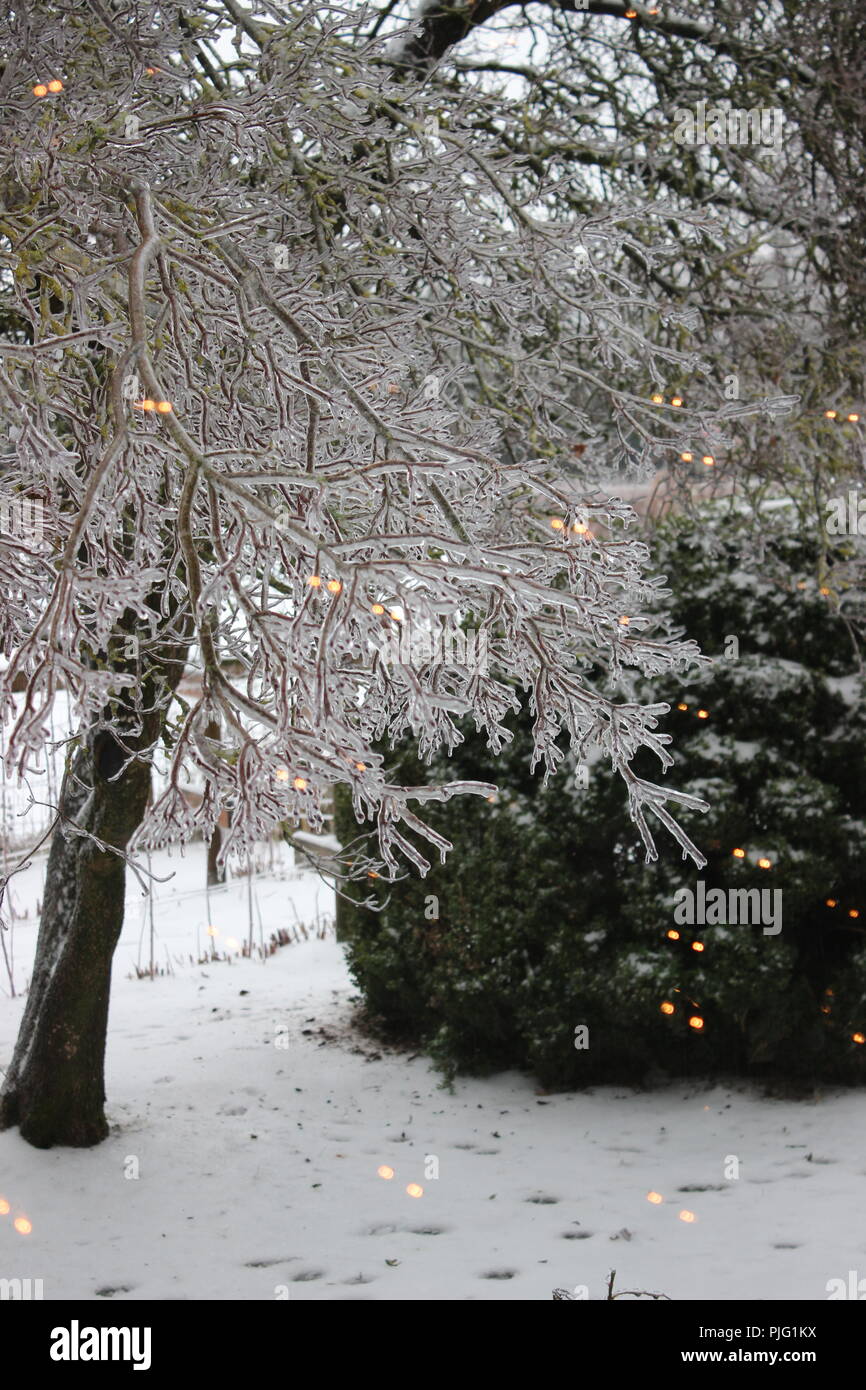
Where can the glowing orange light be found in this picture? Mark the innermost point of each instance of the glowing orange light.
(825, 1009)
(858, 1037)
(676, 400)
(656, 399)
(830, 414)
(673, 934)
(146, 405)
(22, 1225)
(831, 902)
(667, 1007)
(697, 945)
(212, 931)
(682, 706)
(492, 799)
(631, 14)
(55, 85)
(396, 615)
(708, 460)
(40, 90)
(739, 853)
(825, 592)
(4, 1207)
(624, 622)
(164, 407)
(703, 714)
(378, 609)
(371, 873)
(655, 1198)
(696, 1022)
(580, 528)
(151, 71)
(687, 1216)
(315, 581)
(765, 864)
(854, 912)
(361, 767)
(687, 458)
(282, 774)
(415, 1190)
(854, 418)
(557, 524)
(300, 784)
(385, 1172)
(333, 586)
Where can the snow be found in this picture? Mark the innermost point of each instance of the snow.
(258, 1164)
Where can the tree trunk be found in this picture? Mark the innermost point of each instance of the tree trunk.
(216, 873)
(54, 1089)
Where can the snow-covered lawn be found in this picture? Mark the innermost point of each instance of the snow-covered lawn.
(258, 1163)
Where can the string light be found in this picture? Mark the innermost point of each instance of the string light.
(676, 400)
(378, 609)
(415, 1190)
(858, 1037)
(4, 1207)
(631, 14)
(385, 1172)
(854, 418)
(656, 399)
(739, 853)
(580, 528)
(831, 414)
(667, 1007)
(682, 706)
(655, 1198)
(300, 784)
(371, 873)
(687, 457)
(146, 405)
(708, 460)
(854, 912)
(315, 581)
(396, 615)
(624, 622)
(696, 1022)
(361, 767)
(765, 864)
(22, 1225)
(557, 523)
(55, 85)
(703, 714)
(687, 1216)
(164, 407)
(672, 934)
(333, 586)
(282, 774)
(697, 945)
(831, 902)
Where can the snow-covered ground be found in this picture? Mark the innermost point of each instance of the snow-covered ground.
(258, 1120)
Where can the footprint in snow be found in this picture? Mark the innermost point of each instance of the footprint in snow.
(499, 1274)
